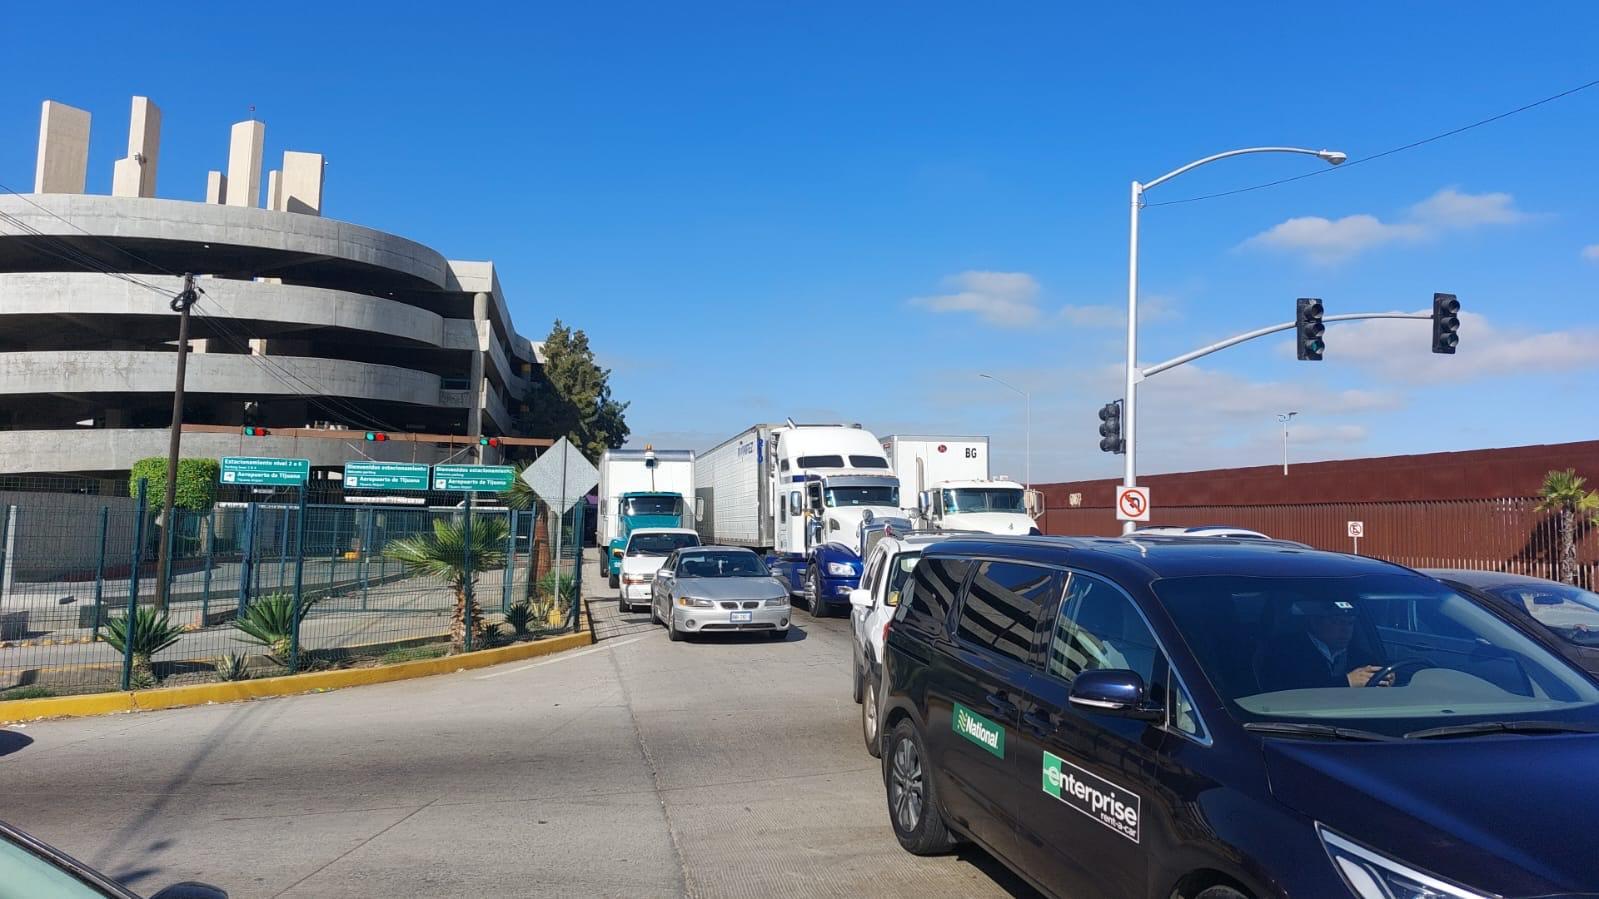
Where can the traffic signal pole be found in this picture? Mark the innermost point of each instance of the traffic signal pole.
(1251, 335)
(181, 305)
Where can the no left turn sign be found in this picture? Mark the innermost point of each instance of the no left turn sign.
(1132, 503)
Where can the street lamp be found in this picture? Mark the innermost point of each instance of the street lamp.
(1285, 417)
(1129, 398)
(1027, 399)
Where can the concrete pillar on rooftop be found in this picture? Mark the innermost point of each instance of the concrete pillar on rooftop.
(216, 187)
(244, 163)
(302, 183)
(63, 162)
(134, 175)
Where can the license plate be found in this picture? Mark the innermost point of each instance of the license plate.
(741, 617)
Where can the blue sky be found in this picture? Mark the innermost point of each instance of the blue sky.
(845, 211)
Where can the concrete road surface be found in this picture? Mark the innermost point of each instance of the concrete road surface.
(638, 767)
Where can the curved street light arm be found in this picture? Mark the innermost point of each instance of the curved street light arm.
(1331, 156)
(1262, 332)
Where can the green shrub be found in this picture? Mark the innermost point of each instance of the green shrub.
(520, 617)
(231, 667)
(269, 622)
(197, 482)
(412, 654)
(568, 586)
(27, 693)
(152, 632)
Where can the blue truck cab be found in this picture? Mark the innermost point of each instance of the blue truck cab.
(643, 509)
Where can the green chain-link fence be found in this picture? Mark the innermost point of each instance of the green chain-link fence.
(266, 587)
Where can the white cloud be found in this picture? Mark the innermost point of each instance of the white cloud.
(1591, 252)
(1449, 208)
(1400, 349)
(1151, 309)
(1002, 299)
(1326, 241)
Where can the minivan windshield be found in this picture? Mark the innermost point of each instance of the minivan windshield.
(1390, 653)
(983, 499)
(720, 564)
(659, 544)
(1571, 612)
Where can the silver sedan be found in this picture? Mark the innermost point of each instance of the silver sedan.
(712, 589)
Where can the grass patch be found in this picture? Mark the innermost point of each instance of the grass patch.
(412, 654)
(27, 693)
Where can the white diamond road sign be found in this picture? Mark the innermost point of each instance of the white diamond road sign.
(561, 476)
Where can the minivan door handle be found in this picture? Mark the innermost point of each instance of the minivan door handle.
(1043, 724)
(1000, 702)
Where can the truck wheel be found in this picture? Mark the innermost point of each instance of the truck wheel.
(813, 587)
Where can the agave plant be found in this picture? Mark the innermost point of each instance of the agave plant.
(443, 554)
(233, 666)
(520, 617)
(152, 632)
(270, 622)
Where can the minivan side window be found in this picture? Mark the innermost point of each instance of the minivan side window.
(935, 581)
(1003, 605)
(1098, 627)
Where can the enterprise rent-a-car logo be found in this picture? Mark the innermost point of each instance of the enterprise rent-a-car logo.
(1094, 796)
(985, 733)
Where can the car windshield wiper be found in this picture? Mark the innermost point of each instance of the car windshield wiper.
(1501, 727)
(1304, 729)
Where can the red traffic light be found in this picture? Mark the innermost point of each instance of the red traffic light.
(254, 431)
(376, 436)
(488, 441)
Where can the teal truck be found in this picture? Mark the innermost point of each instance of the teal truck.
(645, 488)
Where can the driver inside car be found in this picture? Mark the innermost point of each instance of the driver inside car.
(1317, 655)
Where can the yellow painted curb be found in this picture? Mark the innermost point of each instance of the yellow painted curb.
(15, 710)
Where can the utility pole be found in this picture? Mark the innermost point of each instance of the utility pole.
(1285, 417)
(181, 305)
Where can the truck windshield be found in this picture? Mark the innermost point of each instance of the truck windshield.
(659, 544)
(653, 505)
(983, 499)
(885, 495)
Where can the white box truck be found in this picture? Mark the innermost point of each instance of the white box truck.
(947, 482)
(799, 493)
(647, 488)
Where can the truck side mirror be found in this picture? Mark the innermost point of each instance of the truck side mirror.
(795, 504)
(1033, 502)
(699, 509)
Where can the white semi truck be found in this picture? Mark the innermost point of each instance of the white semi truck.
(947, 484)
(647, 488)
(799, 493)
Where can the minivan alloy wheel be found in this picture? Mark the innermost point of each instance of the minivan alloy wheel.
(906, 791)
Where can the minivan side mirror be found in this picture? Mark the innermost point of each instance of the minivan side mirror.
(1113, 691)
(860, 598)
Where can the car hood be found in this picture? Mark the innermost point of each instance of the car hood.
(731, 587)
(1505, 814)
(988, 522)
(642, 564)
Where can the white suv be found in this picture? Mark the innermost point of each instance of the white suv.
(888, 569)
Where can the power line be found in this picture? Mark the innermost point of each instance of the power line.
(1375, 156)
(52, 213)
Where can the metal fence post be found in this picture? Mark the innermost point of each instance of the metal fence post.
(466, 572)
(577, 565)
(299, 577)
(210, 562)
(510, 560)
(247, 558)
(532, 547)
(133, 588)
(8, 546)
(283, 547)
(99, 573)
(366, 555)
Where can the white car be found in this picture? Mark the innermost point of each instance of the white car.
(645, 550)
(888, 568)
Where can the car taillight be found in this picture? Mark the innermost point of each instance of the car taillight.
(886, 625)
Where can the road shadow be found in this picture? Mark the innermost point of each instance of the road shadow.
(11, 741)
(996, 871)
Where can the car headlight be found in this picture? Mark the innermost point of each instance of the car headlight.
(694, 602)
(777, 602)
(1372, 876)
(840, 569)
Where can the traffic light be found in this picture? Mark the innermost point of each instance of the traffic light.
(376, 436)
(1308, 327)
(1110, 428)
(255, 431)
(1445, 323)
(488, 441)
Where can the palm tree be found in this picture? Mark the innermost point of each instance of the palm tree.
(522, 498)
(1562, 494)
(444, 553)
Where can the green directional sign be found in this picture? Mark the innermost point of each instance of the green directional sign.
(385, 476)
(474, 478)
(260, 471)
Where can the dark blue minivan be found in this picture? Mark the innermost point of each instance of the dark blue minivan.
(1214, 719)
